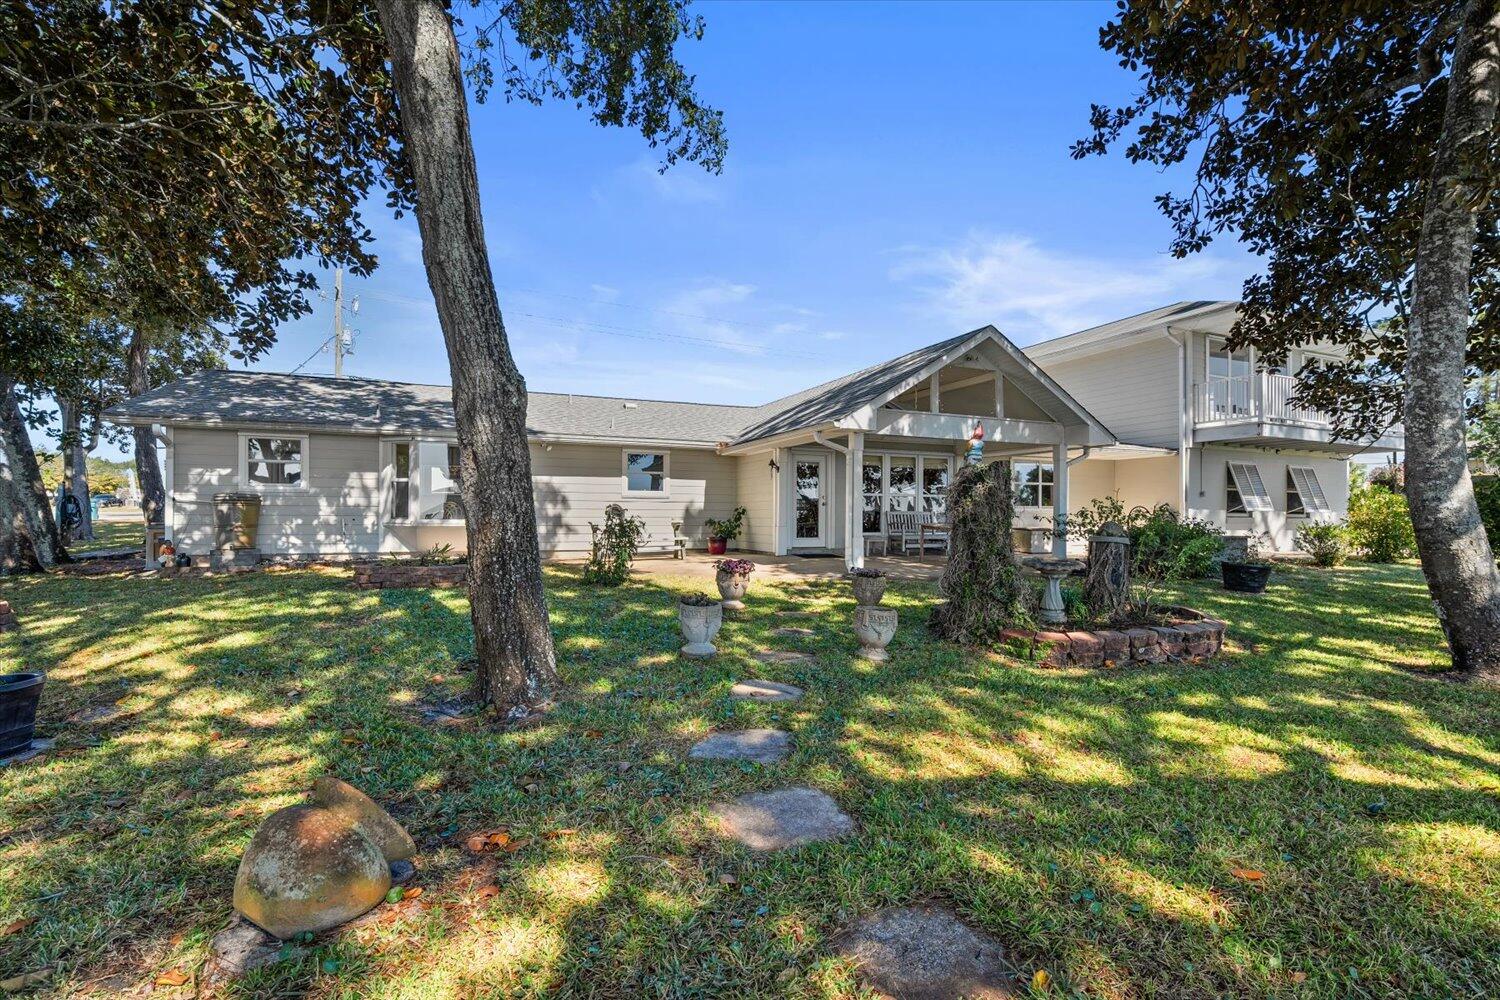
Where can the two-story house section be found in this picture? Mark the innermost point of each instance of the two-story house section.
(1217, 433)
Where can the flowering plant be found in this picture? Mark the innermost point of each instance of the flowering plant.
(736, 566)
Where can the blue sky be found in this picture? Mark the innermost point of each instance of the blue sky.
(897, 173)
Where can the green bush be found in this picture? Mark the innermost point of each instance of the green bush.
(1487, 492)
(1164, 546)
(1324, 542)
(614, 547)
(1379, 524)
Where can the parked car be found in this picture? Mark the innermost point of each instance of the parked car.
(109, 500)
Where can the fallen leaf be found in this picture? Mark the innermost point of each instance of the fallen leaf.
(488, 891)
(1248, 874)
(798, 933)
(17, 926)
(1040, 979)
(413, 892)
(499, 839)
(172, 977)
(516, 845)
(16, 984)
(1298, 977)
(477, 843)
(593, 734)
(565, 832)
(727, 879)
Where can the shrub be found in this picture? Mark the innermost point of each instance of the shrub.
(1324, 542)
(1379, 524)
(1487, 492)
(1164, 546)
(727, 529)
(613, 547)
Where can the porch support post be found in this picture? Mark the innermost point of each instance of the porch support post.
(854, 531)
(1060, 500)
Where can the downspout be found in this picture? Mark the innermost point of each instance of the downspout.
(1184, 416)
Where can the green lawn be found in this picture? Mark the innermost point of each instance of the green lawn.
(112, 535)
(1102, 823)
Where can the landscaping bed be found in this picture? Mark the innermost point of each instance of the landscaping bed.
(1184, 635)
(388, 574)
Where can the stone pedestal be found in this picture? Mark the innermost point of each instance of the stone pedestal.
(1053, 570)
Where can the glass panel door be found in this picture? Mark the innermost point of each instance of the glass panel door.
(1228, 381)
(809, 500)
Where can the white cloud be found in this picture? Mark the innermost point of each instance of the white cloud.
(1031, 292)
(696, 313)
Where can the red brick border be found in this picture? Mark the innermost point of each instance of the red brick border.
(373, 576)
(1191, 636)
(8, 620)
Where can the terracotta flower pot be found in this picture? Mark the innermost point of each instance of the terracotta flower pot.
(874, 627)
(868, 589)
(718, 546)
(732, 587)
(700, 623)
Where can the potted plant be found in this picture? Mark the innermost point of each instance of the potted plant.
(721, 533)
(733, 578)
(19, 696)
(1249, 575)
(869, 585)
(701, 617)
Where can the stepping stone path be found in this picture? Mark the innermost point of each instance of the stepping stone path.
(781, 656)
(792, 631)
(759, 746)
(925, 953)
(789, 817)
(764, 691)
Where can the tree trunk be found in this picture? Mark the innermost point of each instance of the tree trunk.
(75, 471)
(17, 547)
(1456, 556)
(147, 469)
(26, 476)
(512, 635)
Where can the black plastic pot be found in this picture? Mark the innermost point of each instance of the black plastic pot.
(19, 695)
(1247, 578)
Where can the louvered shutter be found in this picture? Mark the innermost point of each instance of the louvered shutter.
(1309, 488)
(1252, 490)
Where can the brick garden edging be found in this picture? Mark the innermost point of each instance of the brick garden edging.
(373, 576)
(8, 620)
(1191, 636)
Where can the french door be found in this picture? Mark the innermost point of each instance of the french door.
(810, 503)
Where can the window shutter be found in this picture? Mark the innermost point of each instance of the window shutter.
(1252, 491)
(1310, 489)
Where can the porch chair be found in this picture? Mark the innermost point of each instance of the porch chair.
(901, 528)
(940, 538)
(679, 541)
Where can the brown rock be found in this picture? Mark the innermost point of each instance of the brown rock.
(1085, 649)
(308, 869)
(1116, 645)
(366, 816)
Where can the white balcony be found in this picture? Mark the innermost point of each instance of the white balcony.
(1258, 409)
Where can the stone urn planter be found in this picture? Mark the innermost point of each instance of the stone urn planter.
(733, 579)
(869, 586)
(19, 696)
(701, 617)
(874, 627)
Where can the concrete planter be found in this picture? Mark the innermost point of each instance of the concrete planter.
(874, 627)
(868, 590)
(699, 626)
(19, 696)
(732, 588)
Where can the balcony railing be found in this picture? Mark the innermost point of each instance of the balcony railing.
(1266, 396)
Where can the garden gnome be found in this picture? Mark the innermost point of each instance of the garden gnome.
(976, 445)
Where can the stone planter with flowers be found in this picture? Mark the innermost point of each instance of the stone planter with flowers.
(733, 579)
(869, 585)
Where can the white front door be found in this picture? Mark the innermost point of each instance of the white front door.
(810, 490)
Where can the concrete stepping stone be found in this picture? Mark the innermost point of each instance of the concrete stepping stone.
(780, 656)
(759, 746)
(789, 817)
(793, 632)
(926, 953)
(764, 691)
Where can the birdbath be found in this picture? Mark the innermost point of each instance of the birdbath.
(1053, 569)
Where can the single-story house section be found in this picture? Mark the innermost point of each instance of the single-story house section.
(350, 467)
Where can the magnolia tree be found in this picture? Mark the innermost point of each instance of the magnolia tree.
(1353, 148)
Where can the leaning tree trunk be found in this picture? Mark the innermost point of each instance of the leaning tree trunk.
(1456, 556)
(75, 469)
(512, 636)
(17, 547)
(147, 468)
(26, 476)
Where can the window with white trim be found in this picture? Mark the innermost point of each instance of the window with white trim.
(1244, 490)
(645, 473)
(1302, 482)
(935, 485)
(401, 481)
(1033, 483)
(901, 489)
(267, 461)
(426, 487)
(872, 485)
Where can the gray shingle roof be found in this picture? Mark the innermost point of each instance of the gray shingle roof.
(240, 397)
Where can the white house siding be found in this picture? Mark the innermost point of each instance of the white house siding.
(756, 485)
(336, 514)
(1208, 473)
(1134, 391)
(573, 483)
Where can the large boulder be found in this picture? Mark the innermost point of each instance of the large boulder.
(309, 868)
(364, 815)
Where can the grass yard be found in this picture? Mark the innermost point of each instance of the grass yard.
(1307, 816)
(112, 535)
